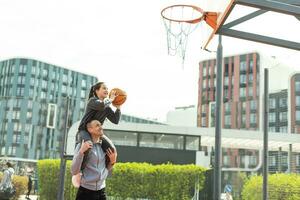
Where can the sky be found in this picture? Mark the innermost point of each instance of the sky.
(123, 43)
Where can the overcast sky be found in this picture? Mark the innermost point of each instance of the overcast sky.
(122, 43)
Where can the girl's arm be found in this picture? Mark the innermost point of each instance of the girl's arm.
(114, 117)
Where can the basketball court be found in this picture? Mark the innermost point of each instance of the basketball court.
(233, 18)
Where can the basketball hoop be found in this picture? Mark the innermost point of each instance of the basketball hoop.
(180, 21)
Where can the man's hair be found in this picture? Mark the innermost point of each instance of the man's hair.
(90, 124)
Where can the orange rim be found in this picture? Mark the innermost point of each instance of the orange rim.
(191, 21)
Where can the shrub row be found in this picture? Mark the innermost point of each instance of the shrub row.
(130, 180)
(280, 186)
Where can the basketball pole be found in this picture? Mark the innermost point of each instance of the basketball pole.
(218, 147)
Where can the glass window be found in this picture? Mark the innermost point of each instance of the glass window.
(272, 117)
(297, 100)
(204, 83)
(272, 161)
(243, 79)
(283, 116)
(192, 143)
(204, 71)
(226, 161)
(243, 66)
(161, 141)
(226, 80)
(252, 161)
(51, 115)
(253, 118)
(297, 115)
(283, 129)
(283, 102)
(250, 91)
(272, 103)
(242, 92)
(122, 138)
(203, 121)
(227, 107)
(297, 86)
(272, 129)
(253, 105)
(227, 120)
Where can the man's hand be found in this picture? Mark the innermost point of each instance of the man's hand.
(85, 146)
(112, 155)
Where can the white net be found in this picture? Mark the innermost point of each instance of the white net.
(178, 29)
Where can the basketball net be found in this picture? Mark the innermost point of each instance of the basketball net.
(180, 21)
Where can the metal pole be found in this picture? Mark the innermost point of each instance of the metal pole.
(266, 125)
(218, 149)
(279, 160)
(290, 164)
(60, 194)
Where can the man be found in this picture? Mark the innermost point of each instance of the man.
(92, 184)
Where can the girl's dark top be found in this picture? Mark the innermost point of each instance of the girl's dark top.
(97, 110)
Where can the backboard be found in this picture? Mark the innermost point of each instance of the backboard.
(222, 7)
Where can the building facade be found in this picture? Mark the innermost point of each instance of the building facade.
(241, 92)
(33, 96)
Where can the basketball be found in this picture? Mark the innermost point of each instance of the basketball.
(121, 96)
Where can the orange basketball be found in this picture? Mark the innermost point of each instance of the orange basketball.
(121, 96)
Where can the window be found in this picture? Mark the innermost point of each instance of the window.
(161, 141)
(51, 115)
(272, 117)
(272, 103)
(250, 91)
(283, 129)
(297, 100)
(82, 93)
(226, 161)
(242, 92)
(283, 116)
(204, 71)
(227, 107)
(272, 129)
(226, 80)
(252, 161)
(272, 161)
(253, 105)
(83, 83)
(253, 118)
(192, 143)
(227, 120)
(243, 66)
(122, 138)
(250, 78)
(203, 121)
(297, 86)
(204, 83)
(243, 79)
(297, 115)
(283, 102)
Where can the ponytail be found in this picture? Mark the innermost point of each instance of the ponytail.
(93, 89)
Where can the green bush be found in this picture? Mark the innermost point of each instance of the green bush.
(280, 186)
(20, 183)
(130, 180)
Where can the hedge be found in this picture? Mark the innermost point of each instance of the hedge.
(130, 180)
(280, 186)
(20, 183)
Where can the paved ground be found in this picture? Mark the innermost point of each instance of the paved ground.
(32, 197)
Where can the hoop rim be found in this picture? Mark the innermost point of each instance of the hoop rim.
(191, 21)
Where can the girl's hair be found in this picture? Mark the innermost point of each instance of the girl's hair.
(94, 88)
(9, 164)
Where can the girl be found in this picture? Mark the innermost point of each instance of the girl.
(98, 108)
